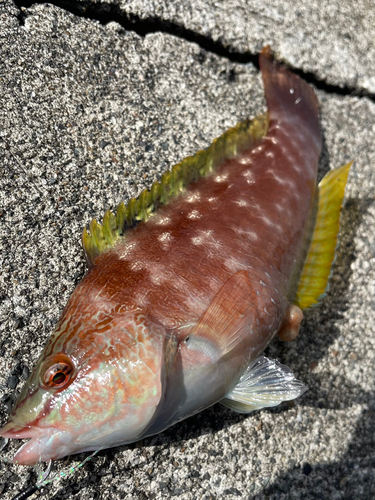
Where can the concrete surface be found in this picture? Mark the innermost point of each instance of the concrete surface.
(333, 39)
(89, 115)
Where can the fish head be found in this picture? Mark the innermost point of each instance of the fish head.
(97, 384)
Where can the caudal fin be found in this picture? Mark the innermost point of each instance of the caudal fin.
(288, 96)
(317, 268)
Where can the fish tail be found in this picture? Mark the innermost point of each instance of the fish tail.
(288, 96)
(315, 274)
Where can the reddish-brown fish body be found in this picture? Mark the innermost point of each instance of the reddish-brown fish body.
(252, 214)
(236, 239)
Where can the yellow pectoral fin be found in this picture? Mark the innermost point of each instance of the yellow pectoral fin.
(317, 268)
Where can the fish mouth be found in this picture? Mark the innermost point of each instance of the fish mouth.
(44, 443)
(14, 431)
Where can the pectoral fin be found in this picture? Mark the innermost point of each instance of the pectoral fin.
(227, 320)
(264, 384)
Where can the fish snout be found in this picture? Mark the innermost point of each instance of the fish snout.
(12, 430)
(43, 445)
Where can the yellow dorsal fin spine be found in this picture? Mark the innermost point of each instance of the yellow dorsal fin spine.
(321, 253)
(100, 238)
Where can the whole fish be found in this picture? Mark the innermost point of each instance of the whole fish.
(188, 284)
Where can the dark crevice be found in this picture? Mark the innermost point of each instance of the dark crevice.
(105, 13)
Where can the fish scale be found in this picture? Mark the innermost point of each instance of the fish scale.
(188, 284)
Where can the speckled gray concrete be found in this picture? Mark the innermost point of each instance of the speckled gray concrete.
(334, 39)
(89, 115)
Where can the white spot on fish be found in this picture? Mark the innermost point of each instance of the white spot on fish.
(249, 174)
(231, 265)
(193, 197)
(273, 302)
(197, 240)
(241, 203)
(276, 126)
(258, 149)
(270, 154)
(256, 207)
(282, 180)
(126, 250)
(262, 283)
(291, 91)
(213, 198)
(276, 177)
(249, 177)
(268, 276)
(297, 101)
(157, 275)
(282, 209)
(274, 140)
(296, 166)
(221, 178)
(267, 220)
(162, 221)
(165, 237)
(265, 310)
(194, 215)
(248, 234)
(136, 265)
(270, 222)
(245, 160)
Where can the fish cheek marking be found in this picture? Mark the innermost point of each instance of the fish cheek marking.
(291, 324)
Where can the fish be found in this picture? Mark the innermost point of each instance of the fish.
(188, 284)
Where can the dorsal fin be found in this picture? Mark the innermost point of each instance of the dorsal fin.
(317, 267)
(236, 140)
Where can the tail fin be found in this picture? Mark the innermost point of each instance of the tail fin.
(288, 96)
(317, 268)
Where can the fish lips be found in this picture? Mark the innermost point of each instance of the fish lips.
(44, 443)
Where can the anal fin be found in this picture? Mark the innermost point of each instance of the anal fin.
(265, 383)
(317, 267)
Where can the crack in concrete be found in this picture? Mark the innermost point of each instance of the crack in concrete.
(105, 13)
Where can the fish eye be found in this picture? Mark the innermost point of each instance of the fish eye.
(58, 372)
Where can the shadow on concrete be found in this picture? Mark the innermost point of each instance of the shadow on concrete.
(350, 478)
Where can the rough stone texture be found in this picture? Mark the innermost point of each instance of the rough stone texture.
(334, 39)
(89, 115)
